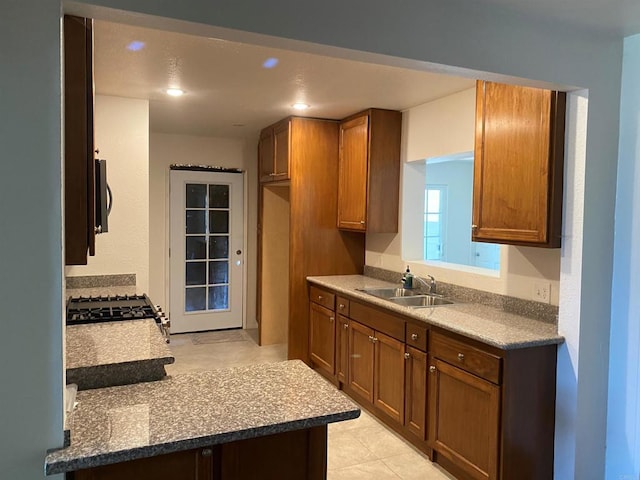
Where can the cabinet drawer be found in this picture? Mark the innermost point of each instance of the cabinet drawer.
(466, 357)
(342, 306)
(378, 320)
(416, 336)
(322, 297)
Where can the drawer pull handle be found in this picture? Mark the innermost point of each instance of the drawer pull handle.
(432, 369)
(407, 356)
(461, 357)
(414, 336)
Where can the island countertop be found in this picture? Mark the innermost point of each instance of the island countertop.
(115, 353)
(480, 322)
(117, 424)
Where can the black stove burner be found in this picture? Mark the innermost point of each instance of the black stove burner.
(82, 310)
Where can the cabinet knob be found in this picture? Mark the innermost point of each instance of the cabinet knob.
(320, 297)
(474, 227)
(206, 452)
(345, 326)
(461, 357)
(432, 369)
(407, 356)
(370, 338)
(375, 339)
(362, 222)
(414, 336)
(331, 319)
(341, 306)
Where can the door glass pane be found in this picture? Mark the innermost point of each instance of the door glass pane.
(196, 221)
(196, 248)
(196, 195)
(218, 272)
(196, 273)
(219, 298)
(195, 299)
(218, 221)
(219, 247)
(218, 196)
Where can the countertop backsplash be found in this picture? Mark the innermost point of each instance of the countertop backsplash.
(526, 308)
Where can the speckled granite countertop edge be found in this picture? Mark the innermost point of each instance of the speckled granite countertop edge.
(510, 336)
(54, 468)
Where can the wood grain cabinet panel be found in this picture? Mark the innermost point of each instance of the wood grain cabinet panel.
(323, 338)
(369, 171)
(415, 410)
(273, 152)
(464, 416)
(518, 166)
(388, 389)
(361, 358)
(342, 349)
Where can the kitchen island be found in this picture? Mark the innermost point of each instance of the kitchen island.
(261, 421)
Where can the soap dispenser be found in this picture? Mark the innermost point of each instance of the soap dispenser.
(407, 278)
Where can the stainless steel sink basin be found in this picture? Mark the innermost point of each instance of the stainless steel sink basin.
(419, 301)
(387, 293)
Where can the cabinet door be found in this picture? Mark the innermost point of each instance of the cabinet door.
(282, 140)
(266, 155)
(360, 370)
(352, 174)
(198, 464)
(388, 390)
(464, 419)
(323, 338)
(342, 348)
(519, 144)
(415, 401)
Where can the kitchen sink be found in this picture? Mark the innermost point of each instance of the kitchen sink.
(408, 297)
(387, 293)
(418, 301)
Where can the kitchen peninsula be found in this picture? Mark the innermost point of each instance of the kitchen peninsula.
(226, 423)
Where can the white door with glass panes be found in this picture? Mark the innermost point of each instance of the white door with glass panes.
(206, 250)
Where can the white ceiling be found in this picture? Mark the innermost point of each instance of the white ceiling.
(226, 83)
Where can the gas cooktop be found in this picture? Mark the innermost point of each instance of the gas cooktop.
(81, 310)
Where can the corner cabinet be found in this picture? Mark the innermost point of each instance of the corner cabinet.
(79, 166)
(369, 171)
(273, 152)
(518, 169)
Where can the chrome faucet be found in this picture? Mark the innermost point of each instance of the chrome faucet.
(431, 284)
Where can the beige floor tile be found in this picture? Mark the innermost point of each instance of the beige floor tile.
(381, 441)
(345, 450)
(375, 470)
(415, 466)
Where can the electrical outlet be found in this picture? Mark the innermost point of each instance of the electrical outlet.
(542, 292)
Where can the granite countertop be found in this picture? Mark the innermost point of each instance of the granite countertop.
(480, 322)
(111, 343)
(118, 424)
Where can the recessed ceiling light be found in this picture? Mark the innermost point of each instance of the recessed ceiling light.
(300, 106)
(135, 46)
(270, 62)
(175, 92)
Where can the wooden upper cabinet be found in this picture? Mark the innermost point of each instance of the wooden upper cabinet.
(518, 170)
(369, 171)
(274, 150)
(79, 166)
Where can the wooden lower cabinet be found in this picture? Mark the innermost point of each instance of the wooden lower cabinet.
(415, 393)
(464, 414)
(388, 375)
(361, 357)
(285, 456)
(322, 338)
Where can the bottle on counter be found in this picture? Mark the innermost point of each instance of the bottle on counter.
(407, 278)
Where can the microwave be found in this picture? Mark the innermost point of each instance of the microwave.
(104, 197)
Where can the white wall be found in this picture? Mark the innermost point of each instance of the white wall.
(435, 129)
(623, 429)
(166, 149)
(122, 136)
(413, 33)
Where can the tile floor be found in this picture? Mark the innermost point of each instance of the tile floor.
(358, 449)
